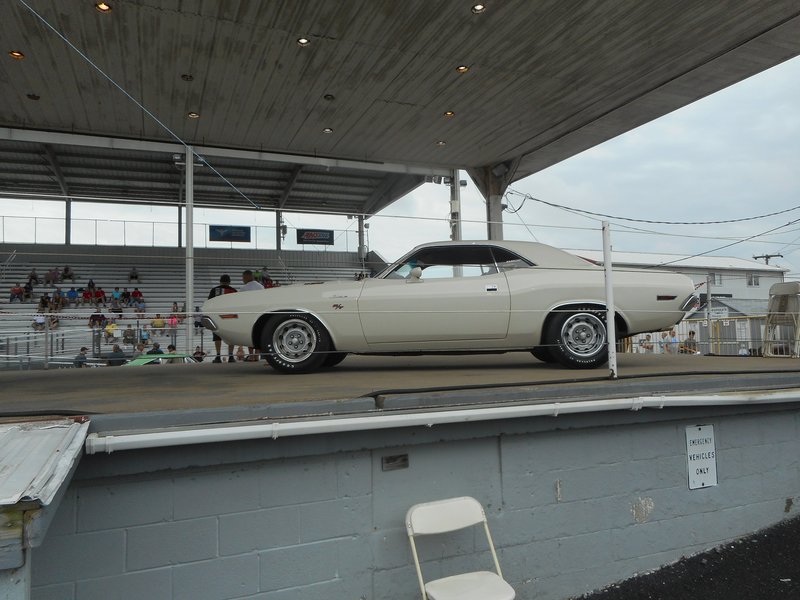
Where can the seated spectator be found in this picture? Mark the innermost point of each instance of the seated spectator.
(81, 360)
(57, 301)
(133, 274)
(138, 351)
(90, 285)
(158, 325)
(129, 336)
(87, 296)
(38, 323)
(71, 297)
(156, 349)
(52, 277)
(140, 307)
(54, 322)
(17, 293)
(116, 357)
(96, 319)
(144, 336)
(115, 307)
(28, 291)
(125, 297)
(99, 296)
(33, 277)
(174, 360)
(44, 302)
(199, 354)
(68, 273)
(136, 295)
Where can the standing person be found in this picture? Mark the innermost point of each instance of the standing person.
(224, 287)
(199, 354)
(690, 344)
(674, 342)
(80, 359)
(250, 284)
(646, 345)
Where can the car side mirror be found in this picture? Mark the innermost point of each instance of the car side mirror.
(415, 275)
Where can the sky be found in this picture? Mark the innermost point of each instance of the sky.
(732, 155)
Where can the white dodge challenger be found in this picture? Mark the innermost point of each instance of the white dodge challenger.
(453, 297)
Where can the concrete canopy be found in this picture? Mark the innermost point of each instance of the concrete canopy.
(546, 80)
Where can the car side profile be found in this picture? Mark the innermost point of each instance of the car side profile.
(453, 297)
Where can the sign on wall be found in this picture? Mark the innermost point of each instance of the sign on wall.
(701, 456)
(228, 233)
(315, 236)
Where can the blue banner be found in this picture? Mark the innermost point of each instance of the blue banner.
(228, 233)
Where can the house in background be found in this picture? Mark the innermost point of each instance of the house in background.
(739, 296)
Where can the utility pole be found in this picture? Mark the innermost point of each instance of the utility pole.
(766, 257)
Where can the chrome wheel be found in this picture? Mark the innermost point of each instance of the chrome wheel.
(294, 340)
(583, 334)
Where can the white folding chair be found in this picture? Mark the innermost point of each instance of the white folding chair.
(443, 516)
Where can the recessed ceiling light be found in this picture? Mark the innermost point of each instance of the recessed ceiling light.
(303, 42)
(33, 96)
(16, 54)
(462, 68)
(187, 77)
(478, 8)
(441, 143)
(329, 97)
(327, 130)
(193, 115)
(449, 113)
(103, 7)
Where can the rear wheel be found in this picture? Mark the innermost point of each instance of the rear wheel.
(295, 343)
(578, 339)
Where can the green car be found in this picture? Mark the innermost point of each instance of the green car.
(162, 359)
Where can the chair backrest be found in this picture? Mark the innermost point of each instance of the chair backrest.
(443, 516)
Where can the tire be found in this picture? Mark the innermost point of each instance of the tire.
(543, 354)
(578, 339)
(295, 343)
(333, 358)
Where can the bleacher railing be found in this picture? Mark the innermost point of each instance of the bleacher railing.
(112, 232)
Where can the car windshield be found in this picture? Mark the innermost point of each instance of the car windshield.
(446, 262)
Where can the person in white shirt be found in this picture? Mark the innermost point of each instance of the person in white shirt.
(250, 284)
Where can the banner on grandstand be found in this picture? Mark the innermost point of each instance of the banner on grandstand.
(228, 233)
(315, 236)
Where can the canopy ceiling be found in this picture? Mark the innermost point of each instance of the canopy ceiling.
(546, 79)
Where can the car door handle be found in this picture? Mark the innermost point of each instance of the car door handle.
(491, 288)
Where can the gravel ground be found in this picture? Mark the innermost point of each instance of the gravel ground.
(763, 566)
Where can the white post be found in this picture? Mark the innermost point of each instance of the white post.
(189, 193)
(610, 310)
(455, 206)
(708, 313)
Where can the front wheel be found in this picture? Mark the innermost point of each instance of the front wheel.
(295, 343)
(578, 339)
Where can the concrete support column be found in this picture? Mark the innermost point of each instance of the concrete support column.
(362, 246)
(455, 207)
(15, 584)
(189, 246)
(494, 210)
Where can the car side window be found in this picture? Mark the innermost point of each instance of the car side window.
(448, 262)
(507, 261)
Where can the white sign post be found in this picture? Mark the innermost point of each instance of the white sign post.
(701, 456)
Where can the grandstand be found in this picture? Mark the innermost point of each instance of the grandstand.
(161, 271)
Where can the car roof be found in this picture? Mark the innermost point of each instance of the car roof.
(535, 252)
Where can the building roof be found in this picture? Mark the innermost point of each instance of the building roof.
(360, 114)
(37, 457)
(677, 261)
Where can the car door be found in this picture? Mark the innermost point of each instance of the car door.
(459, 296)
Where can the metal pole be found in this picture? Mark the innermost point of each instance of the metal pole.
(68, 222)
(708, 313)
(278, 230)
(46, 340)
(610, 310)
(189, 240)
